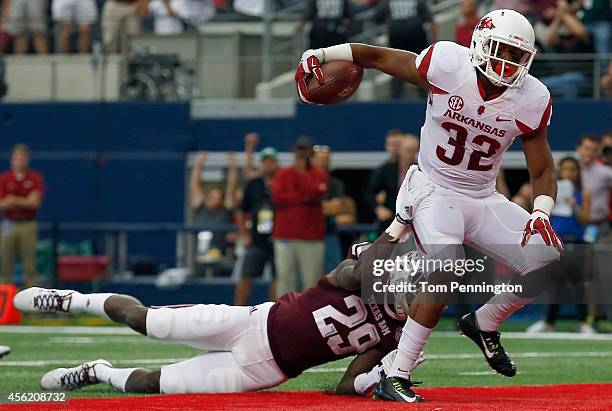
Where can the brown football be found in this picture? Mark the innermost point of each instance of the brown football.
(341, 80)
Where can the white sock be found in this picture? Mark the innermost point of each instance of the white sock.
(498, 309)
(413, 340)
(366, 381)
(90, 303)
(117, 377)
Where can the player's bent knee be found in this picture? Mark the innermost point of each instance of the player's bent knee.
(136, 318)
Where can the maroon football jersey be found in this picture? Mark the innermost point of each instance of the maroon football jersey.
(326, 323)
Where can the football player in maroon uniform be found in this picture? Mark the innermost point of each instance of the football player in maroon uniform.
(250, 348)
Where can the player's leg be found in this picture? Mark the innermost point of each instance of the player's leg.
(241, 361)
(497, 232)
(122, 309)
(438, 225)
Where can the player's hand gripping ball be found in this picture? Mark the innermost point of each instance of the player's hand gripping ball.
(326, 83)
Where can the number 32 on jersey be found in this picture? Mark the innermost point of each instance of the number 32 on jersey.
(458, 140)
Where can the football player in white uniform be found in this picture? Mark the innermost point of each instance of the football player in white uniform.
(479, 100)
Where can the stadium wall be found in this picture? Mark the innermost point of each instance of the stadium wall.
(125, 162)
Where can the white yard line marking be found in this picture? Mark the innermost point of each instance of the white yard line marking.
(540, 336)
(83, 330)
(44, 363)
(36, 329)
(485, 373)
(163, 361)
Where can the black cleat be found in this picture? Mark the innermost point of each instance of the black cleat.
(489, 344)
(396, 389)
(4, 350)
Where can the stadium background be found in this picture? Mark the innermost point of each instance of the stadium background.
(116, 165)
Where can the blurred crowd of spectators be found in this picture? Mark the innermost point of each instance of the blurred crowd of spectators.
(66, 26)
(561, 26)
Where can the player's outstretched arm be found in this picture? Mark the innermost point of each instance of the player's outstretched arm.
(397, 63)
(362, 373)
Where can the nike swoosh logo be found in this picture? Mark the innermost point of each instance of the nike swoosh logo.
(407, 399)
(502, 119)
(400, 370)
(488, 353)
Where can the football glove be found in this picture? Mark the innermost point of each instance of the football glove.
(539, 223)
(310, 64)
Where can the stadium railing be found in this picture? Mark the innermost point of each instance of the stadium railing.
(116, 239)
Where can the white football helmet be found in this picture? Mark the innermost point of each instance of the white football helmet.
(497, 28)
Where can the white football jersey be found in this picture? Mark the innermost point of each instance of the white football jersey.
(464, 137)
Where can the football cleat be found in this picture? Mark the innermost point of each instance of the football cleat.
(489, 344)
(73, 378)
(396, 389)
(43, 300)
(4, 350)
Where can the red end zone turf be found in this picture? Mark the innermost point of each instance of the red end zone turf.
(546, 397)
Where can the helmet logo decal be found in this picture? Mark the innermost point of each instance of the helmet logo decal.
(455, 103)
(486, 23)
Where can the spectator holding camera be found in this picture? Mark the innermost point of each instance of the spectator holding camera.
(299, 223)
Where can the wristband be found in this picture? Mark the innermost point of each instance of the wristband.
(544, 204)
(395, 229)
(341, 52)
